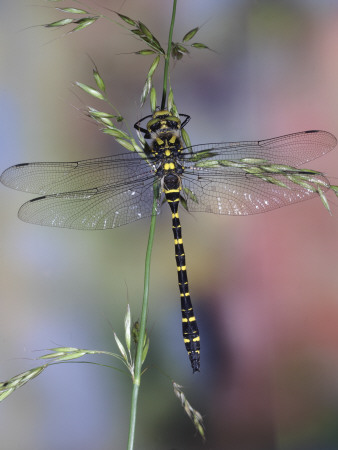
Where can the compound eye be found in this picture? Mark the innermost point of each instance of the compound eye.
(156, 126)
(153, 125)
(172, 124)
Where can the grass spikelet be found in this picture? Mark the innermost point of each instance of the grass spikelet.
(59, 23)
(178, 51)
(121, 348)
(83, 23)
(127, 328)
(145, 52)
(200, 45)
(153, 67)
(89, 90)
(98, 79)
(145, 348)
(323, 199)
(190, 34)
(192, 413)
(126, 144)
(153, 101)
(171, 102)
(146, 90)
(143, 32)
(334, 189)
(9, 386)
(113, 131)
(146, 32)
(128, 20)
(73, 10)
(185, 137)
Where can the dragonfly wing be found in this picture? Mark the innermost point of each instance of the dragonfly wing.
(242, 194)
(292, 149)
(53, 178)
(91, 209)
(243, 178)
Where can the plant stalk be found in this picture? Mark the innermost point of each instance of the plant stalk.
(142, 331)
(167, 57)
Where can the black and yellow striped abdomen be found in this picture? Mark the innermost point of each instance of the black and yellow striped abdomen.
(165, 130)
(172, 187)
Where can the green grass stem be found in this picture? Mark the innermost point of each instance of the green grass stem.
(143, 322)
(167, 57)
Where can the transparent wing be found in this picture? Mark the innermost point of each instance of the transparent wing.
(292, 149)
(213, 183)
(91, 194)
(237, 193)
(100, 208)
(54, 178)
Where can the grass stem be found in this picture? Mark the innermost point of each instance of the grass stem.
(142, 331)
(167, 57)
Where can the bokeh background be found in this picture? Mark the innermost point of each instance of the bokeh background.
(265, 287)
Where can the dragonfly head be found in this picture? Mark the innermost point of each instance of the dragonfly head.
(163, 123)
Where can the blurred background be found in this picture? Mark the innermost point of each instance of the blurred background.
(265, 287)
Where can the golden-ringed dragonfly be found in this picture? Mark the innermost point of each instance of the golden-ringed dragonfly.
(237, 178)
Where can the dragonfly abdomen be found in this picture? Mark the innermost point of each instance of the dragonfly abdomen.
(189, 325)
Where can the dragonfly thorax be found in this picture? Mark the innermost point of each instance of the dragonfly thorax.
(167, 144)
(167, 151)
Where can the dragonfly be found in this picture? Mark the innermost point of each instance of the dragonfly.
(236, 178)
